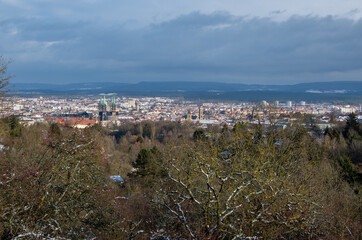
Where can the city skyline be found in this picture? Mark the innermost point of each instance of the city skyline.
(284, 42)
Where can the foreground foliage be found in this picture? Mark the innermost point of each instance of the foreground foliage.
(181, 182)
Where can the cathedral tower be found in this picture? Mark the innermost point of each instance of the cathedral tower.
(102, 107)
(113, 109)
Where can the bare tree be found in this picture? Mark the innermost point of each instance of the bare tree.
(239, 188)
(4, 78)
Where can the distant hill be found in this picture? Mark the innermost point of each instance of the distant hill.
(335, 91)
(322, 87)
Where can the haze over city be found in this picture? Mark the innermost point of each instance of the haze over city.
(263, 42)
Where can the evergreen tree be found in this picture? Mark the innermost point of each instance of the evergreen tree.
(55, 130)
(352, 130)
(352, 123)
(149, 162)
(199, 134)
(239, 126)
(14, 126)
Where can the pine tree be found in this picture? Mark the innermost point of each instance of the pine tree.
(352, 130)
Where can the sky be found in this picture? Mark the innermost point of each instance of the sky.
(237, 41)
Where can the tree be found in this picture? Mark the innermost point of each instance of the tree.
(149, 163)
(55, 130)
(258, 190)
(53, 192)
(149, 130)
(199, 134)
(348, 172)
(352, 129)
(4, 78)
(352, 122)
(13, 125)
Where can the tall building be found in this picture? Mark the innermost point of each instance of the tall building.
(113, 104)
(102, 107)
(113, 109)
(189, 116)
(137, 106)
(289, 104)
(201, 113)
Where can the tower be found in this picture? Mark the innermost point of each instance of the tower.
(201, 113)
(113, 104)
(113, 109)
(102, 107)
(188, 115)
(137, 106)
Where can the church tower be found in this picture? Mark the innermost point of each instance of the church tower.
(137, 106)
(113, 109)
(102, 107)
(201, 113)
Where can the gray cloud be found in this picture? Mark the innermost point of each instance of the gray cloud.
(195, 46)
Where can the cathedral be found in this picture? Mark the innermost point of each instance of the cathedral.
(107, 112)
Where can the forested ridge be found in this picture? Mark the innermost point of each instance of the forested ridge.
(180, 181)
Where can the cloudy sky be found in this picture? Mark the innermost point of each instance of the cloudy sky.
(246, 41)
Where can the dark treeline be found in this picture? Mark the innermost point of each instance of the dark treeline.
(180, 181)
